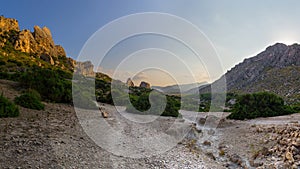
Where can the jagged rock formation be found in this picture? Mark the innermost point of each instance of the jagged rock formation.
(38, 43)
(85, 68)
(130, 83)
(145, 85)
(7, 24)
(276, 70)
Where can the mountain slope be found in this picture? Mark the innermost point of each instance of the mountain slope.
(277, 69)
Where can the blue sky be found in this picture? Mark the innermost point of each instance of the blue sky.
(238, 29)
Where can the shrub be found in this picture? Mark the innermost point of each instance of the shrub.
(31, 100)
(7, 108)
(83, 97)
(296, 107)
(103, 91)
(141, 104)
(262, 104)
(14, 76)
(49, 84)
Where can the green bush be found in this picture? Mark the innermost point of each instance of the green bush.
(262, 104)
(49, 83)
(103, 91)
(140, 104)
(83, 97)
(296, 107)
(31, 100)
(11, 76)
(7, 108)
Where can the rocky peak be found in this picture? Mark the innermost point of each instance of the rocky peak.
(145, 85)
(85, 68)
(45, 44)
(43, 35)
(276, 69)
(130, 83)
(277, 47)
(25, 42)
(38, 43)
(8, 24)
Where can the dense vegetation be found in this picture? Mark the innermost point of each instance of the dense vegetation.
(51, 84)
(202, 102)
(142, 102)
(103, 91)
(7, 108)
(262, 104)
(30, 99)
(13, 61)
(83, 92)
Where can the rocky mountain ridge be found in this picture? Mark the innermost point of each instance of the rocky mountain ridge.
(275, 70)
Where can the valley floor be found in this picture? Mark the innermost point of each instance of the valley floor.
(54, 138)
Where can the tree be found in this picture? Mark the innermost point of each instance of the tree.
(262, 104)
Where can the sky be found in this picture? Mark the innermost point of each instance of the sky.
(236, 29)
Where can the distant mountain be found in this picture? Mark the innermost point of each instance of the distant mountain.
(175, 89)
(277, 69)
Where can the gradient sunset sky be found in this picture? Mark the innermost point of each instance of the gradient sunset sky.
(237, 29)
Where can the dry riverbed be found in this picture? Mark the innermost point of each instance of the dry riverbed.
(54, 138)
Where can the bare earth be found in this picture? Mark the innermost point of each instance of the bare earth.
(54, 138)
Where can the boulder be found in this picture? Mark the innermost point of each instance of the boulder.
(103, 112)
(289, 156)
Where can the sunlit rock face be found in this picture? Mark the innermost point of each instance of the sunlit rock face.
(38, 43)
(8, 24)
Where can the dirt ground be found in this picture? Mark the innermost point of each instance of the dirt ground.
(55, 138)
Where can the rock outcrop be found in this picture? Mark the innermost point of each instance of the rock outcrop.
(8, 24)
(145, 85)
(85, 68)
(25, 42)
(45, 44)
(38, 43)
(130, 83)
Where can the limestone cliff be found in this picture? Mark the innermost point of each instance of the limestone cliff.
(8, 24)
(38, 43)
(85, 68)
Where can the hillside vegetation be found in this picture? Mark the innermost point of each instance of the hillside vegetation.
(263, 104)
(38, 64)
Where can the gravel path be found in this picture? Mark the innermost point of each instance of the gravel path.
(54, 138)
